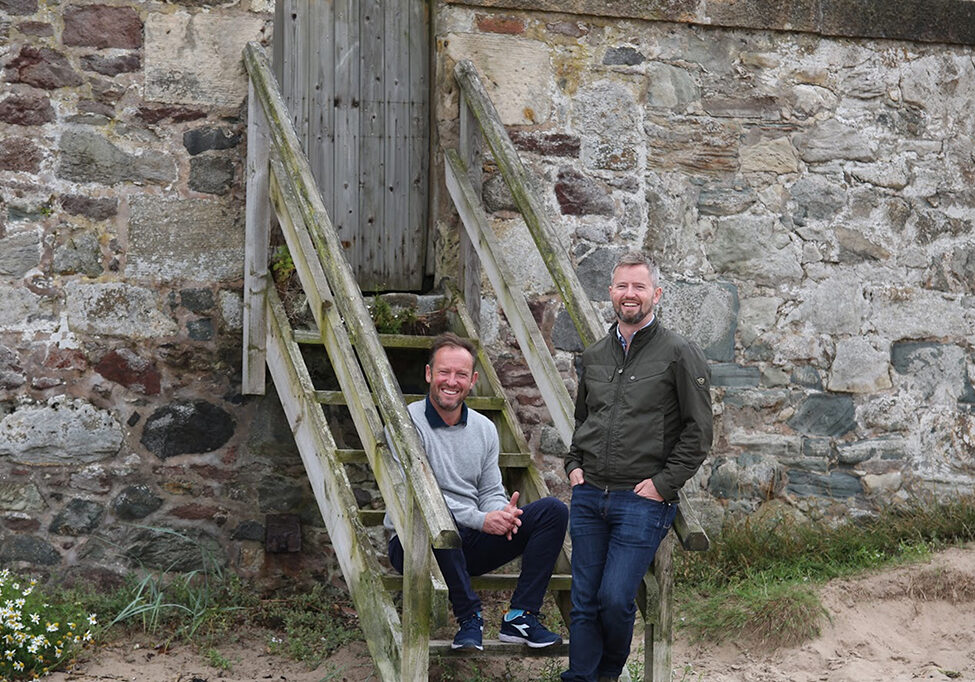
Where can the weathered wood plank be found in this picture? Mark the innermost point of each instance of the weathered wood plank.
(320, 146)
(417, 244)
(309, 270)
(349, 303)
(441, 647)
(506, 460)
(491, 581)
(373, 272)
(258, 223)
(345, 210)
(533, 347)
(377, 613)
(470, 266)
(486, 403)
(546, 238)
(417, 596)
(658, 635)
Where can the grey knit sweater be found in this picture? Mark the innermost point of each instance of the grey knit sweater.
(464, 459)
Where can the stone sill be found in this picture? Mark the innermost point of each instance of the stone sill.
(927, 21)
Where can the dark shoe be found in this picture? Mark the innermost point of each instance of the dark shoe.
(471, 634)
(527, 629)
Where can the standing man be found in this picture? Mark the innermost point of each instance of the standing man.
(462, 446)
(643, 427)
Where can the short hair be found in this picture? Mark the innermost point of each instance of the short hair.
(451, 340)
(638, 258)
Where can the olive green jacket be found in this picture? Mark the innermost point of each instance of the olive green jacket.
(643, 414)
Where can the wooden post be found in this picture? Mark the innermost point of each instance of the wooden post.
(658, 636)
(417, 596)
(469, 275)
(258, 218)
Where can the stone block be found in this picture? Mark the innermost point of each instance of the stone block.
(62, 431)
(693, 144)
(187, 428)
(859, 367)
(705, 312)
(11, 371)
(42, 68)
(564, 334)
(201, 329)
(196, 300)
(717, 199)
(822, 414)
(26, 110)
(934, 371)
(249, 530)
(609, 108)
(20, 496)
(80, 254)
(892, 447)
(178, 550)
(116, 309)
(756, 248)
(192, 239)
(209, 138)
(196, 58)
(835, 306)
(500, 24)
(127, 368)
(496, 195)
(20, 154)
(18, 7)
(136, 502)
(20, 252)
(579, 194)
(808, 377)
(832, 140)
(901, 313)
(211, 174)
(528, 269)
(78, 517)
(517, 74)
(623, 56)
(595, 271)
(90, 157)
(546, 144)
(816, 198)
(670, 87)
(836, 484)
(25, 311)
(770, 156)
(111, 65)
(102, 26)
(29, 549)
(89, 207)
(731, 374)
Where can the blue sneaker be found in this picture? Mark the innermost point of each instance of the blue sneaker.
(527, 629)
(470, 634)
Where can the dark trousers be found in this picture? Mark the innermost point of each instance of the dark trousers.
(537, 541)
(614, 537)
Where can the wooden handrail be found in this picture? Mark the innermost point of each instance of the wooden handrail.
(556, 259)
(348, 299)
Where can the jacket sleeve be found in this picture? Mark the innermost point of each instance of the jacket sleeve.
(573, 459)
(693, 386)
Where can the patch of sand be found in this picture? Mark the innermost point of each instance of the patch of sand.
(909, 623)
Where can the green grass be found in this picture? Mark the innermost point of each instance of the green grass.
(756, 583)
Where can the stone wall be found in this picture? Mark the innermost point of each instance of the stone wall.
(809, 200)
(121, 259)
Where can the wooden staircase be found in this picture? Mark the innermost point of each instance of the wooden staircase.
(279, 180)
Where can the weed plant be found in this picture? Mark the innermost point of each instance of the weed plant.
(39, 635)
(756, 583)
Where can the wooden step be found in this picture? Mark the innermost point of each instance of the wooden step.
(506, 460)
(441, 647)
(481, 403)
(490, 581)
(311, 337)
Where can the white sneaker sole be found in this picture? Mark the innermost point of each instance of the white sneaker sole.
(514, 639)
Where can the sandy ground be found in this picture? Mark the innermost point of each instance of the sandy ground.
(914, 622)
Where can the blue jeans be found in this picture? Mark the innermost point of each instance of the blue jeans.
(538, 542)
(614, 537)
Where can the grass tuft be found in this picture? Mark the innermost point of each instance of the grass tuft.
(757, 582)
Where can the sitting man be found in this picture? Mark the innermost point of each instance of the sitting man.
(462, 446)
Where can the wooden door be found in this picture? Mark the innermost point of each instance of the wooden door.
(355, 75)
